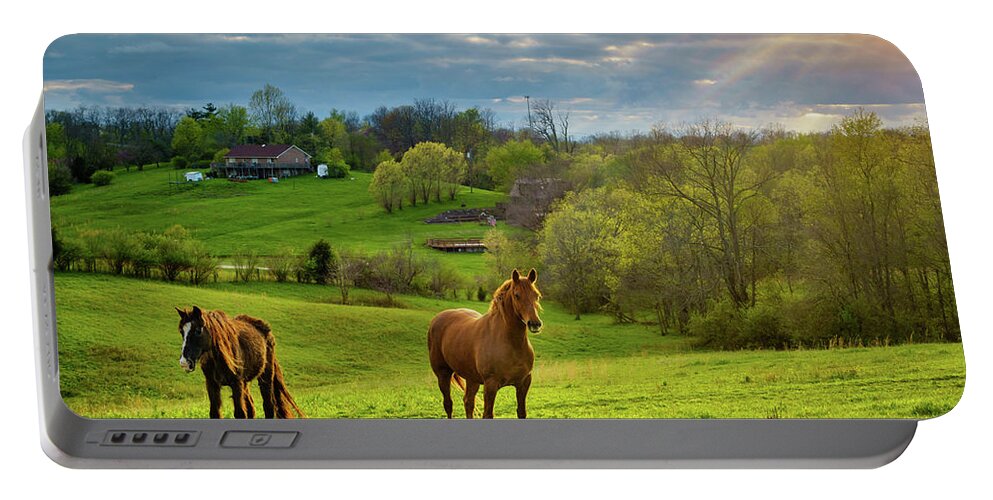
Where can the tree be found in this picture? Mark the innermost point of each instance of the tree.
(504, 254)
(394, 271)
(704, 166)
(348, 267)
(388, 185)
(55, 143)
(307, 132)
(321, 262)
(335, 160)
(59, 180)
(428, 166)
(187, 140)
(551, 126)
(331, 133)
(505, 163)
(272, 112)
(580, 248)
(234, 125)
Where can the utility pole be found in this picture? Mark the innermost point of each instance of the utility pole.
(527, 98)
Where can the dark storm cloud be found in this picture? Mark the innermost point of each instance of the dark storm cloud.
(607, 82)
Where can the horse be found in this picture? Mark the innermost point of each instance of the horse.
(492, 349)
(233, 352)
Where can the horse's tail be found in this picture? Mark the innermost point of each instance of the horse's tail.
(282, 402)
(459, 381)
(281, 395)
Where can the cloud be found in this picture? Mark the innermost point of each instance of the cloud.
(474, 39)
(704, 82)
(142, 48)
(552, 61)
(96, 85)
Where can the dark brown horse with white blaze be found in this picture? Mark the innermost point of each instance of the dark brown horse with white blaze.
(233, 352)
(492, 349)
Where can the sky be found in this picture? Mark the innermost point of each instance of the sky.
(606, 83)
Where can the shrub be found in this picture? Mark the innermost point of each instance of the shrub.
(338, 170)
(441, 278)
(281, 265)
(764, 329)
(481, 294)
(202, 264)
(66, 254)
(719, 328)
(246, 267)
(394, 271)
(59, 180)
(144, 256)
(320, 264)
(347, 272)
(179, 162)
(102, 178)
(173, 253)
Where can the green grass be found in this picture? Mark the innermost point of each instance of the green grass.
(234, 218)
(119, 349)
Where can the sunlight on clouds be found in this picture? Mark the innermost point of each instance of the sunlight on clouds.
(705, 82)
(523, 43)
(90, 85)
(552, 60)
(475, 39)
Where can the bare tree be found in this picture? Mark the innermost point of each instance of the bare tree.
(551, 126)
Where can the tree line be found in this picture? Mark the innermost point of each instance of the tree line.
(175, 255)
(747, 238)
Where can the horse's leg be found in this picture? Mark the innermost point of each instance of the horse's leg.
(469, 398)
(214, 395)
(249, 402)
(268, 399)
(490, 389)
(238, 398)
(522, 394)
(445, 385)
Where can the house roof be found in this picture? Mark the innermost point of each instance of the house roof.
(259, 150)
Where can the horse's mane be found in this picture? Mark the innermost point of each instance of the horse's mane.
(501, 293)
(224, 335)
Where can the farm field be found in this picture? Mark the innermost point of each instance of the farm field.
(119, 350)
(232, 218)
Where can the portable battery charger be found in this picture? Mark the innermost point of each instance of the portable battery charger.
(625, 250)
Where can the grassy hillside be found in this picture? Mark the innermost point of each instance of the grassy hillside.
(119, 349)
(235, 218)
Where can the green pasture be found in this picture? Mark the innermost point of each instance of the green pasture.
(233, 218)
(119, 349)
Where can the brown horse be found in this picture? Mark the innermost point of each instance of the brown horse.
(233, 352)
(492, 349)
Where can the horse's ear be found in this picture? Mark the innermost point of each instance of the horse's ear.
(197, 313)
(182, 313)
(533, 276)
(516, 275)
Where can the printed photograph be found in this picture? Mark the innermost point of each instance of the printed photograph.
(496, 226)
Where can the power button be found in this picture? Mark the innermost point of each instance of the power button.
(261, 439)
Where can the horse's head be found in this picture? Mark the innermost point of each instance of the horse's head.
(196, 339)
(524, 295)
